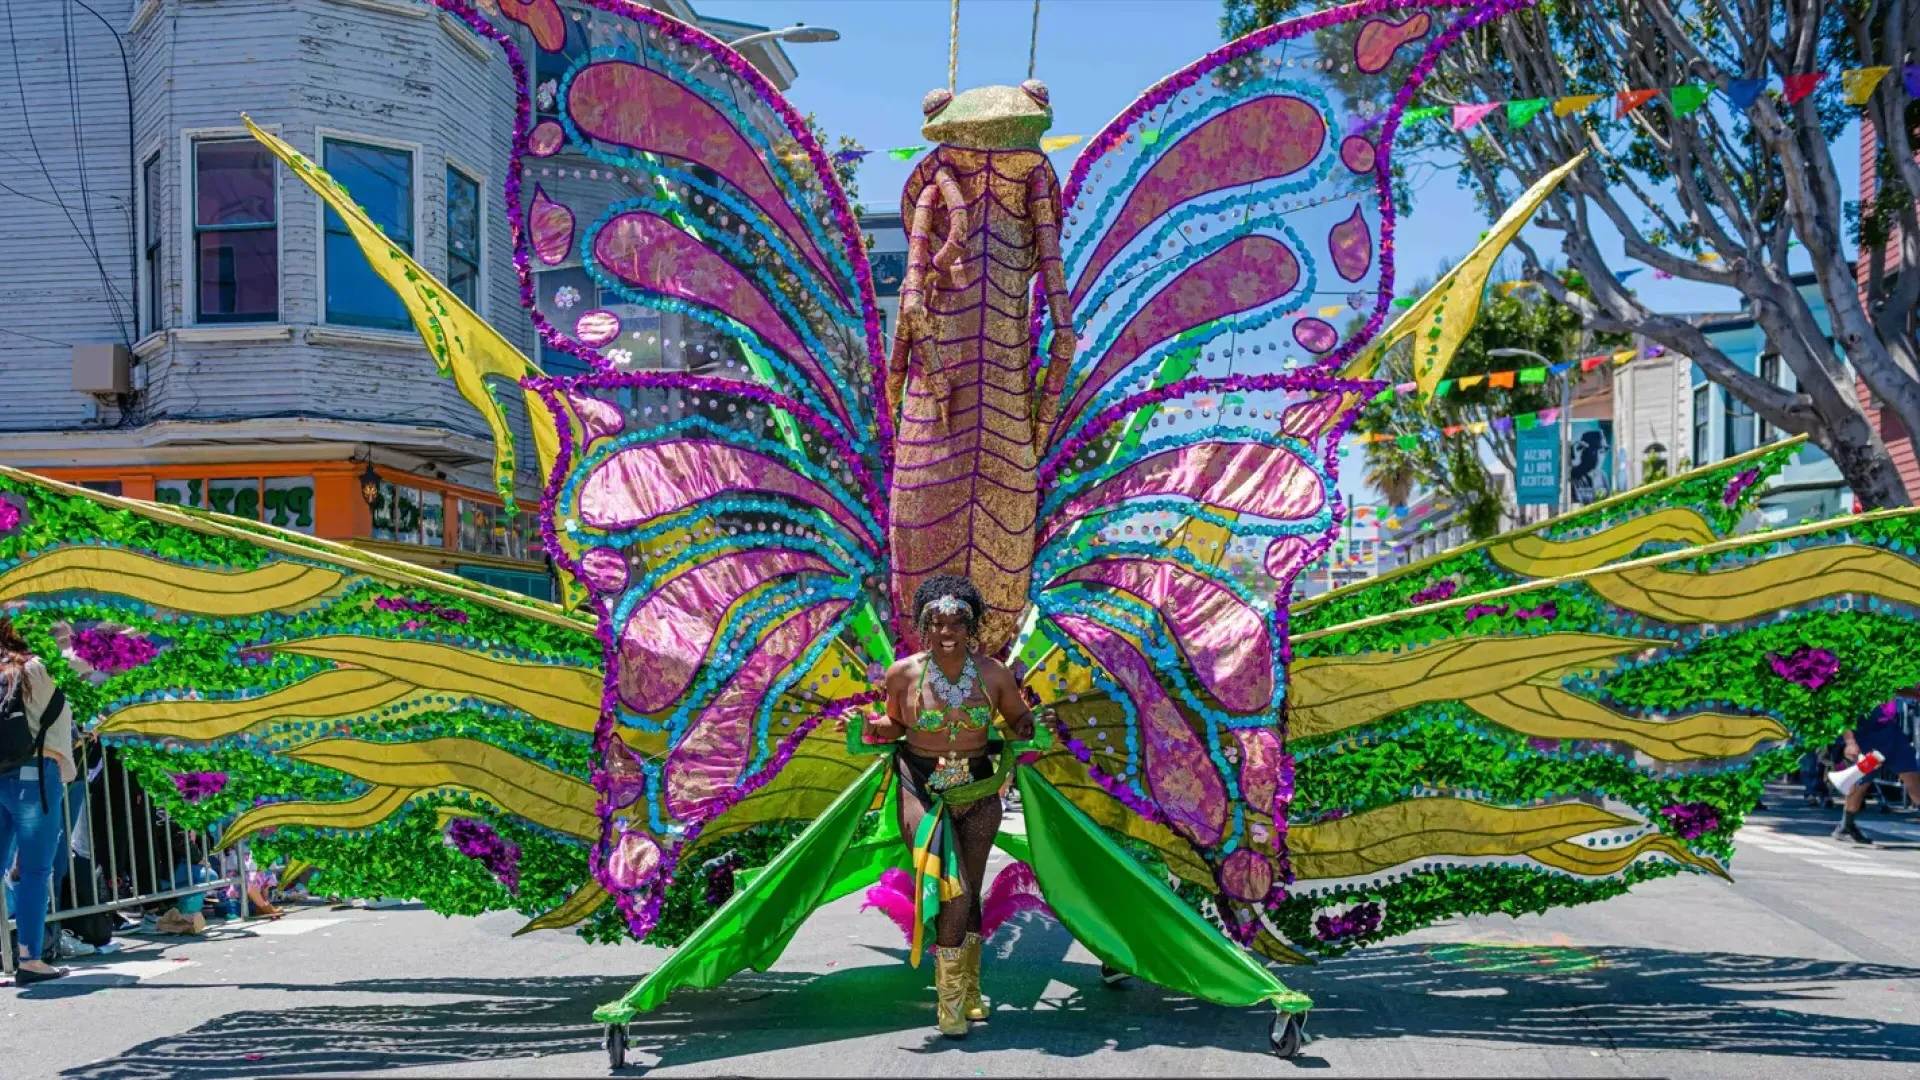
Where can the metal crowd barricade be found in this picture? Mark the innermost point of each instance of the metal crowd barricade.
(132, 849)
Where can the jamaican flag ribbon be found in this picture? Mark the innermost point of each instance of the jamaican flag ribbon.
(937, 877)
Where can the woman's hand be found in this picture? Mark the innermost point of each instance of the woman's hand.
(1852, 750)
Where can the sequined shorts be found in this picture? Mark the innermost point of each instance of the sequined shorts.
(924, 777)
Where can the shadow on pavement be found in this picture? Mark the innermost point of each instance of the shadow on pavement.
(1600, 998)
(1630, 999)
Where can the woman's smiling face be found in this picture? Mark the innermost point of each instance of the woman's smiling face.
(947, 634)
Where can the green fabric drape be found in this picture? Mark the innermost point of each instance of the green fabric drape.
(1129, 919)
(1105, 899)
(752, 928)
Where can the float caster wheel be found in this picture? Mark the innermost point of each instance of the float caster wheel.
(1112, 977)
(616, 1046)
(1288, 1034)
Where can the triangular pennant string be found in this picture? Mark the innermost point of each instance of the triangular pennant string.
(1628, 100)
(1687, 99)
(1567, 106)
(1520, 112)
(1799, 86)
(1859, 85)
(1466, 117)
(1744, 92)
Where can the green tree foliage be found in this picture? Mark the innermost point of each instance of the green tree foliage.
(1712, 194)
(1458, 467)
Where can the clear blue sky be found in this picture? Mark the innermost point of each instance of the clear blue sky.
(1095, 56)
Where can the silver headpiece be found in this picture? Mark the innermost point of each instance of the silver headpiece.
(949, 605)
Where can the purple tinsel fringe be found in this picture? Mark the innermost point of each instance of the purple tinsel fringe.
(479, 841)
(1358, 921)
(1691, 820)
(112, 650)
(1738, 486)
(1811, 668)
(198, 787)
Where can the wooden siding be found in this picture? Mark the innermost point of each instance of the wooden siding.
(388, 70)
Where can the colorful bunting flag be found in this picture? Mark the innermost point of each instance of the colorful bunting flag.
(1548, 416)
(1407, 442)
(1059, 142)
(1567, 106)
(1686, 99)
(1424, 112)
(1859, 85)
(1466, 117)
(1468, 382)
(1628, 100)
(844, 156)
(1520, 112)
(1533, 376)
(1331, 310)
(1526, 421)
(1503, 424)
(1744, 92)
(1799, 86)
(1149, 136)
(1501, 380)
(1627, 273)
(1588, 363)
(1443, 388)
(1910, 74)
(905, 153)
(1623, 356)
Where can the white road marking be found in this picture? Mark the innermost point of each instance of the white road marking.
(289, 927)
(139, 970)
(1867, 871)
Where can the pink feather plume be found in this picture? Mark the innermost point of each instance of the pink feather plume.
(1014, 890)
(894, 896)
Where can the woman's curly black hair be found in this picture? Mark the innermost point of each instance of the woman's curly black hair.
(953, 585)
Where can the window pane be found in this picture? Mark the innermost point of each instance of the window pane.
(383, 512)
(464, 279)
(288, 503)
(239, 275)
(233, 183)
(433, 512)
(463, 237)
(356, 296)
(406, 515)
(241, 498)
(150, 183)
(150, 180)
(380, 181)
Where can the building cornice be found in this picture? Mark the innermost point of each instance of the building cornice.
(266, 439)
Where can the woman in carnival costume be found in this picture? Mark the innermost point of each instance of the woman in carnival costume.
(746, 545)
(941, 711)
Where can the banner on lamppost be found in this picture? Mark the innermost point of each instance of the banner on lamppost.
(1538, 454)
(1590, 474)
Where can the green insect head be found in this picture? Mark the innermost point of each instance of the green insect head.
(988, 117)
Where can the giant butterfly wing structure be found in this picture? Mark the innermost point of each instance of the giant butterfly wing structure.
(725, 506)
(1228, 245)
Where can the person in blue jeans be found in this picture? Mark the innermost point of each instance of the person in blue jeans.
(32, 803)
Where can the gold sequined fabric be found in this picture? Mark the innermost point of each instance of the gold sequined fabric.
(964, 488)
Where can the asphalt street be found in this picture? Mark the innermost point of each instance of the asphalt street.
(1808, 961)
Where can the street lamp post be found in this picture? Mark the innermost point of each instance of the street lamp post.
(1562, 499)
(797, 34)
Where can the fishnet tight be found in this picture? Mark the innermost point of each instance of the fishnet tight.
(974, 828)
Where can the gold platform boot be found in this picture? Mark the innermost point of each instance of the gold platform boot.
(973, 1007)
(950, 986)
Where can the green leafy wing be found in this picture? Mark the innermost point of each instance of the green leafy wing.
(331, 706)
(1555, 742)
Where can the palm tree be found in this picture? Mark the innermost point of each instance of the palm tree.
(1393, 475)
